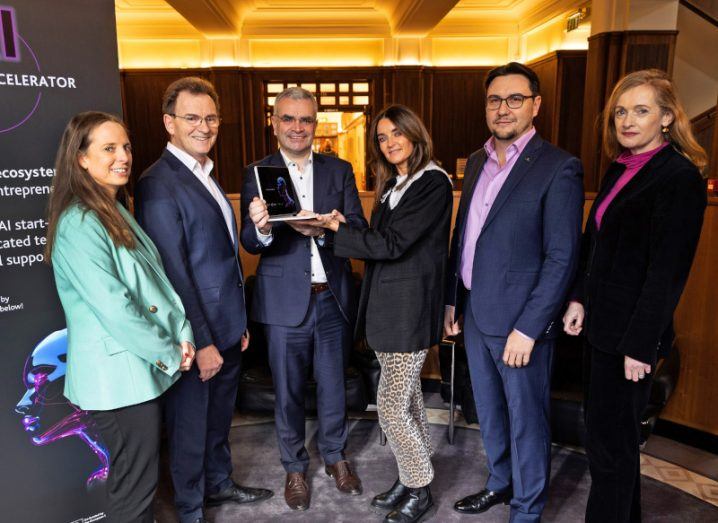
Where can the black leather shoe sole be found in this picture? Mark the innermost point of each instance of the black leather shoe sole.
(483, 509)
(384, 505)
(260, 495)
(427, 514)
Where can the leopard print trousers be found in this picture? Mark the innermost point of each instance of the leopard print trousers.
(402, 417)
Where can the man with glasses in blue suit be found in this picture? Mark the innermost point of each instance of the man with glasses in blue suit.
(185, 212)
(513, 256)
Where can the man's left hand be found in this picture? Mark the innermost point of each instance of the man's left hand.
(245, 341)
(517, 352)
(306, 227)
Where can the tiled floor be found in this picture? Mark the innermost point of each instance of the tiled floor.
(681, 478)
(696, 460)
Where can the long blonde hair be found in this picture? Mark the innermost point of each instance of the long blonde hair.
(73, 184)
(679, 133)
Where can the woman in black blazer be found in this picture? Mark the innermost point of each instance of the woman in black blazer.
(401, 305)
(637, 251)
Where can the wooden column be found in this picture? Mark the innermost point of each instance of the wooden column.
(712, 171)
(560, 119)
(612, 55)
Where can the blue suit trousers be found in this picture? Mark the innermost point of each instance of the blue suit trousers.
(513, 411)
(319, 342)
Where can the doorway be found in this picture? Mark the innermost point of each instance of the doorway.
(343, 134)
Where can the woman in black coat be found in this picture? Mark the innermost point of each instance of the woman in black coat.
(401, 305)
(637, 251)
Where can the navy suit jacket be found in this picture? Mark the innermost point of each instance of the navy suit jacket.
(281, 294)
(199, 255)
(527, 252)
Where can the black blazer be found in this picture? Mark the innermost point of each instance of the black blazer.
(401, 305)
(633, 270)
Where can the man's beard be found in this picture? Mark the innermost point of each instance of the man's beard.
(508, 135)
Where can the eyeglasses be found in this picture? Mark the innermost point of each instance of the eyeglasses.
(513, 101)
(304, 121)
(194, 120)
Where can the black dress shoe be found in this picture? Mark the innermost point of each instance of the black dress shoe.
(412, 508)
(482, 501)
(238, 494)
(390, 499)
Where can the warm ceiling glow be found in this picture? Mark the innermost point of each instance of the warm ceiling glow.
(354, 33)
(316, 52)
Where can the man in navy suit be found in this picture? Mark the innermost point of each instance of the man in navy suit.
(185, 212)
(513, 255)
(304, 294)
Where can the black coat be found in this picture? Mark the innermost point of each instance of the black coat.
(401, 306)
(633, 270)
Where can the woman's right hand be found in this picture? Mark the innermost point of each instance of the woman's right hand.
(573, 319)
(187, 351)
(635, 370)
(331, 220)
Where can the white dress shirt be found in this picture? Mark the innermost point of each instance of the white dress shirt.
(203, 172)
(304, 186)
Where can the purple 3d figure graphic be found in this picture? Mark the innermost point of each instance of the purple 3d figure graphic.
(282, 190)
(44, 378)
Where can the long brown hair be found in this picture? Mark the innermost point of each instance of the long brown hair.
(679, 133)
(73, 184)
(413, 129)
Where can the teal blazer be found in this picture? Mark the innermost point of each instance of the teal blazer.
(124, 319)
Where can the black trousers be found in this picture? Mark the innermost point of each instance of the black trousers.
(613, 414)
(132, 436)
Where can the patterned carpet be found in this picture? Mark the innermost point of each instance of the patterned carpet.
(670, 493)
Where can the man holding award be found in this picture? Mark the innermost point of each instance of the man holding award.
(304, 295)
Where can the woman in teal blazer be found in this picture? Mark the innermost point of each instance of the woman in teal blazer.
(128, 337)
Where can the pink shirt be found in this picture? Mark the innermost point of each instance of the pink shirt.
(492, 178)
(633, 163)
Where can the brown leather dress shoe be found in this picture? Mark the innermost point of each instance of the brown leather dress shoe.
(347, 481)
(296, 491)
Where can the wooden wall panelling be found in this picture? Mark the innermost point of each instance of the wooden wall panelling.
(408, 87)
(713, 151)
(458, 121)
(562, 76)
(546, 123)
(230, 149)
(648, 49)
(704, 128)
(602, 73)
(571, 82)
(142, 107)
(694, 401)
